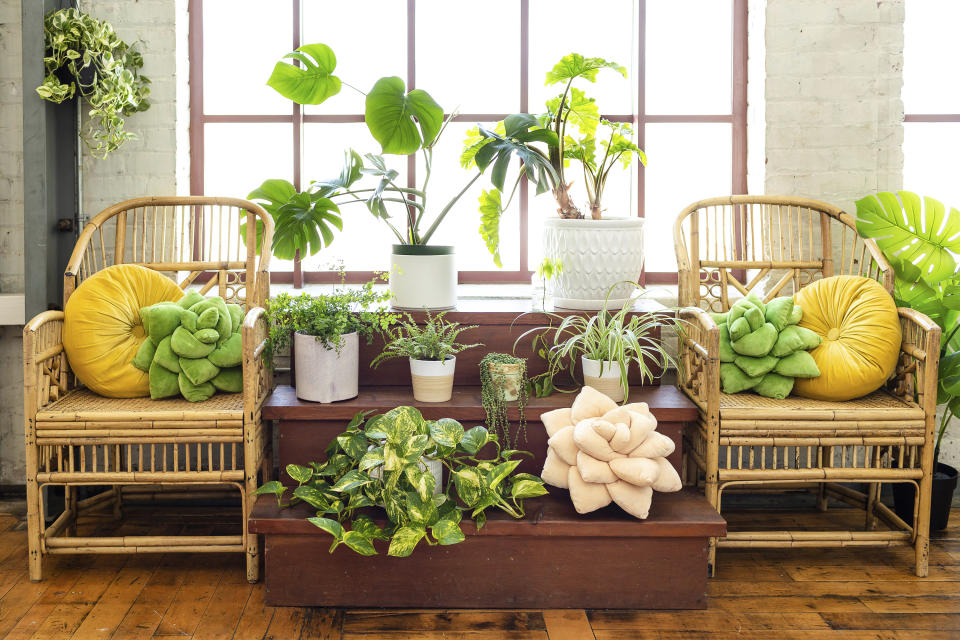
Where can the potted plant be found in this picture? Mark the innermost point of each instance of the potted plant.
(921, 241)
(606, 345)
(596, 253)
(431, 350)
(325, 331)
(503, 379)
(422, 276)
(85, 57)
(377, 461)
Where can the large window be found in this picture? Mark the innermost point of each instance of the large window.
(931, 101)
(685, 96)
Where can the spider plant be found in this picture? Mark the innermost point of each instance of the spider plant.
(618, 339)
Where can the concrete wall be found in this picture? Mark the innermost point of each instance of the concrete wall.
(11, 240)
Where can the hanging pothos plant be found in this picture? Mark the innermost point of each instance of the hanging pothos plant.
(503, 379)
(85, 57)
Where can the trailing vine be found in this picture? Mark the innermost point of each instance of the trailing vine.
(492, 393)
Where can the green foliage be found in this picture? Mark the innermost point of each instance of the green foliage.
(302, 221)
(548, 269)
(312, 83)
(102, 68)
(435, 340)
(403, 122)
(492, 378)
(574, 65)
(623, 338)
(617, 147)
(490, 211)
(921, 241)
(379, 461)
(327, 316)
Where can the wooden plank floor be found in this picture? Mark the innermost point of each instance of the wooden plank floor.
(810, 594)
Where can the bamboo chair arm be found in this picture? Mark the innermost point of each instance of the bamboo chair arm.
(699, 348)
(257, 376)
(887, 276)
(43, 337)
(915, 378)
(45, 369)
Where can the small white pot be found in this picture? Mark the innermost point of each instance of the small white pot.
(423, 277)
(323, 375)
(604, 376)
(596, 254)
(432, 379)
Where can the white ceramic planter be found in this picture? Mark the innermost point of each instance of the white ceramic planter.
(596, 254)
(603, 376)
(323, 375)
(423, 277)
(432, 379)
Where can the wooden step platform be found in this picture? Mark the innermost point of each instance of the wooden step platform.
(553, 558)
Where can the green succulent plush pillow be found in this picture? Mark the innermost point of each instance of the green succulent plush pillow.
(761, 347)
(193, 347)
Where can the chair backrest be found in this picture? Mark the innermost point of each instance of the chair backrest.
(195, 239)
(727, 247)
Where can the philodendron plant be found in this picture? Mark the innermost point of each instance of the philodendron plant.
(403, 123)
(379, 461)
(921, 239)
(567, 130)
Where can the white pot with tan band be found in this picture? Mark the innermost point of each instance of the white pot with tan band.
(604, 376)
(432, 379)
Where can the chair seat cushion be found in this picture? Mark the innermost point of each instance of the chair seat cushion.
(102, 330)
(858, 321)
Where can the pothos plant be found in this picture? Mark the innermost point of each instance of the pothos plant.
(496, 381)
(85, 57)
(378, 461)
(921, 239)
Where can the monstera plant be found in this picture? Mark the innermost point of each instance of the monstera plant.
(921, 238)
(392, 461)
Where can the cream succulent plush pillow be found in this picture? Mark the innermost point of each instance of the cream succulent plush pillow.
(606, 453)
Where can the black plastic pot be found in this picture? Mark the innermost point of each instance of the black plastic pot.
(944, 484)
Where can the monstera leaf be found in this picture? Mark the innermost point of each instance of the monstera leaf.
(519, 131)
(490, 210)
(574, 65)
(402, 122)
(911, 230)
(302, 221)
(312, 83)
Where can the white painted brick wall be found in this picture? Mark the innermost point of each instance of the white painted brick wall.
(833, 108)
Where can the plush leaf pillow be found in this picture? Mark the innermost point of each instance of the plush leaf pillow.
(102, 331)
(858, 322)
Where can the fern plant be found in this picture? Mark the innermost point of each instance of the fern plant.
(435, 340)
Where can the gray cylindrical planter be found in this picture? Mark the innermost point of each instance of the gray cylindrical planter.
(323, 375)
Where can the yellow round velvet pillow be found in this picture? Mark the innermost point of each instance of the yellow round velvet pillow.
(102, 329)
(858, 322)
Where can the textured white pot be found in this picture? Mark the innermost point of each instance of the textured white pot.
(323, 375)
(596, 254)
(423, 277)
(604, 376)
(432, 379)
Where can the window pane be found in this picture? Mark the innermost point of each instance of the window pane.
(461, 225)
(687, 162)
(233, 156)
(470, 64)
(369, 38)
(930, 58)
(930, 166)
(364, 243)
(601, 29)
(689, 56)
(241, 44)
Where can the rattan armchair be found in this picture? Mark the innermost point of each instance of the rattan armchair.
(729, 246)
(165, 448)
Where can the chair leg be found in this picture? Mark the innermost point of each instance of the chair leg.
(713, 497)
(70, 503)
(921, 524)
